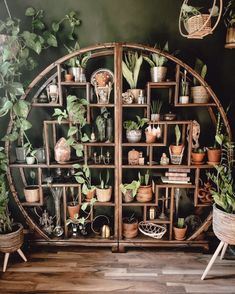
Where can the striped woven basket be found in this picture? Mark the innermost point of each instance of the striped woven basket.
(199, 94)
(12, 241)
(195, 23)
(224, 225)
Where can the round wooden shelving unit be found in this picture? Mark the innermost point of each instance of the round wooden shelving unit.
(56, 71)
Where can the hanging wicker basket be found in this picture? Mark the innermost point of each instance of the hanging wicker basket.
(195, 23)
(224, 225)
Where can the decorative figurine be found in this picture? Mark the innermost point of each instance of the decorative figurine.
(152, 213)
(164, 159)
(141, 158)
(53, 92)
(195, 134)
(43, 98)
(141, 97)
(45, 221)
(93, 137)
(133, 157)
(127, 98)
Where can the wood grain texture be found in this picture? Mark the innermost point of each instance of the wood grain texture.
(75, 270)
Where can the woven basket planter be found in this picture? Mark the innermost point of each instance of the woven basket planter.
(12, 241)
(199, 94)
(224, 225)
(195, 23)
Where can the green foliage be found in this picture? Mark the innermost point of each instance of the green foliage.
(222, 177)
(156, 106)
(144, 179)
(189, 11)
(80, 60)
(157, 59)
(83, 177)
(133, 186)
(201, 69)
(229, 14)
(131, 68)
(132, 125)
(199, 150)
(104, 180)
(180, 223)
(177, 134)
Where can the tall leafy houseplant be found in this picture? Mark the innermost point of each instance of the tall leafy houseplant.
(199, 93)
(157, 63)
(130, 69)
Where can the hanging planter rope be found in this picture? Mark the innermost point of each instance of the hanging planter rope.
(199, 25)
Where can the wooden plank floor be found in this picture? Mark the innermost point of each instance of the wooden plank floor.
(81, 271)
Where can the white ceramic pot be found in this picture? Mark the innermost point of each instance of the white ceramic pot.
(155, 116)
(78, 74)
(103, 195)
(30, 159)
(184, 99)
(133, 136)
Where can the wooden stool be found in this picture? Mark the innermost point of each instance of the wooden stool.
(6, 257)
(222, 246)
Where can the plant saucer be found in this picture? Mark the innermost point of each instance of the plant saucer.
(212, 162)
(198, 162)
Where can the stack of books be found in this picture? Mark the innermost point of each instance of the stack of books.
(177, 176)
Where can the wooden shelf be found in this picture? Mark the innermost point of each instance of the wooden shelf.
(167, 166)
(101, 105)
(161, 84)
(135, 105)
(195, 105)
(35, 104)
(142, 144)
(75, 84)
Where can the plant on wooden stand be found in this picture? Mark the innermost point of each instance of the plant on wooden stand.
(198, 155)
(129, 191)
(145, 191)
(104, 190)
(133, 129)
(156, 107)
(130, 70)
(180, 229)
(177, 148)
(184, 89)
(157, 63)
(229, 20)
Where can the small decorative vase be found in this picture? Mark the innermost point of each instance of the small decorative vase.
(30, 159)
(40, 155)
(78, 74)
(20, 154)
(62, 151)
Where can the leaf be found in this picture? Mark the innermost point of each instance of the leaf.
(51, 40)
(79, 179)
(7, 105)
(38, 47)
(150, 62)
(55, 27)
(26, 125)
(72, 131)
(21, 108)
(127, 75)
(30, 11)
(137, 69)
(38, 24)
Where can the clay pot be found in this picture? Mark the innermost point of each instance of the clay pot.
(128, 196)
(103, 195)
(176, 150)
(150, 137)
(31, 194)
(73, 208)
(133, 136)
(129, 230)
(90, 194)
(68, 77)
(198, 157)
(144, 194)
(180, 233)
(62, 151)
(214, 155)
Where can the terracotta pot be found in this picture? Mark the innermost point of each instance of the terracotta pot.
(133, 136)
(31, 194)
(103, 195)
(68, 77)
(180, 233)
(230, 38)
(213, 155)
(176, 150)
(128, 196)
(135, 93)
(144, 194)
(150, 137)
(73, 208)
(12, 241)
(129, 230)
(198, 157)
(90, 194)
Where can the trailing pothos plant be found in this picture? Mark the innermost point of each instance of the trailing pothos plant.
(83, 177)
(74, 112)
(130, 125)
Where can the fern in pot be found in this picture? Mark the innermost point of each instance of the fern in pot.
(157, 63)
(199, 93)
(130, 69)
(133, 129)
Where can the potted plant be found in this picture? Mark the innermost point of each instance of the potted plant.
(130, 227)
(198, 155)
(133, 129)
(83, 177)
(157, 63)
(184, 89)
(11, 234)
(152, 133)
(77, 64)
(73, 205)
(177, 149)
(198, 92)
(156, 107)
(229, 20)
(129, 191)
(104, 190)
(130, 70)
(31, 192)
(145, 191)
(194, 20)
(214, 152)
(180, 229)
(30, 153)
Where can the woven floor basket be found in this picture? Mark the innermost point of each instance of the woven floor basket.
(195, 23)
(224, 225)
(199, 94)
(12, 241)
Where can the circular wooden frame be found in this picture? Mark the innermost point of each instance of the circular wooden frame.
(115, 49)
